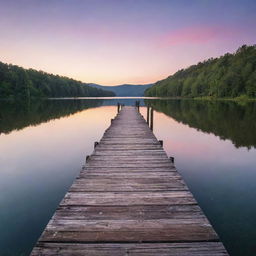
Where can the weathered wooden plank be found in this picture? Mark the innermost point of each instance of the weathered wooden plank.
(128, 184)
(142, 170)
(150, 158)
(141, 162)
(142, 212)
(135, 164)
(126, 188)
(95, 173)
(195, 229)
(176, 180)
(128, 147)
(128, 198)
(132, 249)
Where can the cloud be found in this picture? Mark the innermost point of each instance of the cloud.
(195, 35)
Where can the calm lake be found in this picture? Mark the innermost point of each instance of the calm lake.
(43, 146)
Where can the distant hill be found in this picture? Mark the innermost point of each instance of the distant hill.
(124, 89)
(231, 75)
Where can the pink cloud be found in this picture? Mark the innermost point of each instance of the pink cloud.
(195, 35)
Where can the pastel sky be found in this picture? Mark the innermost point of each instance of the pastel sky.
(121, 41)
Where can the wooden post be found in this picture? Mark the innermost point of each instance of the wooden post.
(118, 107)
(148, 114)
(151, 118)
(161, 142)
(172, 159)
(138, 106)
(95, 144)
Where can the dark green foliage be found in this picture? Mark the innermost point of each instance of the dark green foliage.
(17, 82)
(226, 119)
(231, 75)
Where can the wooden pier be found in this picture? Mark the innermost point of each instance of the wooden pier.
(129, 200)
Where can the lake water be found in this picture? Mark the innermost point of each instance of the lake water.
(43, 146)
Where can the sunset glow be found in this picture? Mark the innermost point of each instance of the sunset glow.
(115, 41)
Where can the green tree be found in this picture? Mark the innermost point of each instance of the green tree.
(231, 75)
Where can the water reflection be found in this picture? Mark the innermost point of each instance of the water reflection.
(228, 120)
(17, 115)
(43, 146)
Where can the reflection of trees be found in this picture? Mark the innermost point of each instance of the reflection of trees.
(228, 120)
(17, 115)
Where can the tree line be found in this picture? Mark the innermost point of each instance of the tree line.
(231, 75)
(17, 82)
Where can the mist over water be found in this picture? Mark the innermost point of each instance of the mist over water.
(43, 146)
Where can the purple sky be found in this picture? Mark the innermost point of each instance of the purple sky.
(121, 41)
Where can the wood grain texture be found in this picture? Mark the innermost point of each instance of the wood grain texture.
(129, 200)
(131, 249)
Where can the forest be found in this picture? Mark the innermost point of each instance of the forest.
(229, 76)
(17, 82)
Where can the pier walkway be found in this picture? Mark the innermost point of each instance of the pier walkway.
(129, 200)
